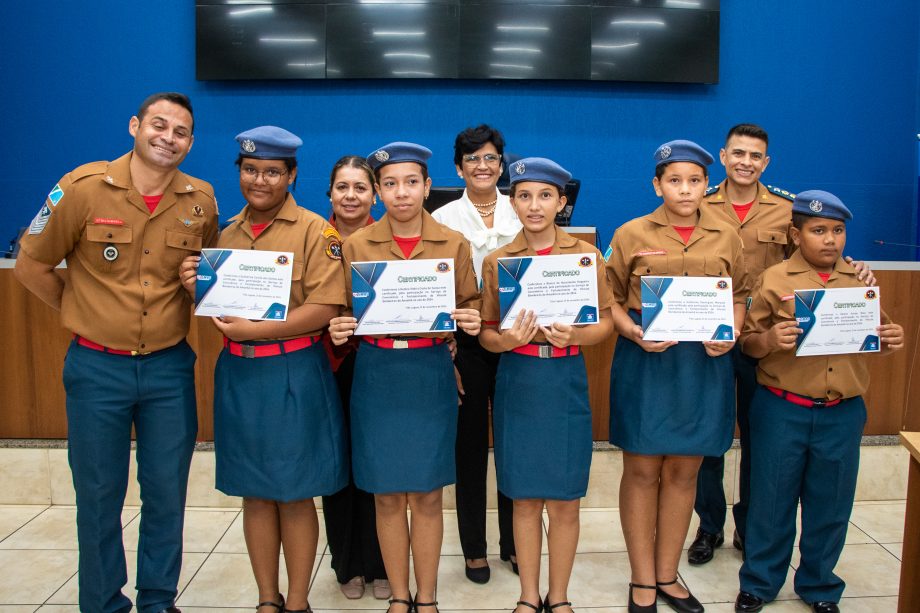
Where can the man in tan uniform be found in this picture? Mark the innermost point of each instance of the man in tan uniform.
(124, 227)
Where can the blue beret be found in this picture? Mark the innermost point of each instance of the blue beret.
(818, 203)
(399, 152)
(541, 170)
(268, 143)
(682, 151)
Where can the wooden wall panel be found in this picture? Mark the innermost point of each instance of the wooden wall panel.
(33, 345)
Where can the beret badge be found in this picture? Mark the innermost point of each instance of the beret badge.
(664, 153)
(519, 168)
(816, 206)
(381, 156)
(248, 146)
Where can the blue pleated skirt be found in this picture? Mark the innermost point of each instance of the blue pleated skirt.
(542, 427)
(403, 419)
(678, 402)
(278, 429)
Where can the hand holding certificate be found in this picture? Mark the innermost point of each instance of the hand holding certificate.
(840, 320)
(558, 288)
(687, 309)
(403, 296)
(244, 283)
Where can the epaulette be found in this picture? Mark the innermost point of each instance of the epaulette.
(88, 170)
(711, 190)
(781, 193)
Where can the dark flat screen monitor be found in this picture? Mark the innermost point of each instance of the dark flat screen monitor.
(604, 40)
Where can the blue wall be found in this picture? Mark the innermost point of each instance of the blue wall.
(835, 82)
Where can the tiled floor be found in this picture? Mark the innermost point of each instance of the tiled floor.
(38, 558)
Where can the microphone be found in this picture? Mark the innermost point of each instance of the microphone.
(891, 244)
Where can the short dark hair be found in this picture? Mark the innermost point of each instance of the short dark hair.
(351, 161)
(473, 139)
(659, 170)
(289, 163)
(748, 129)
(174, 97)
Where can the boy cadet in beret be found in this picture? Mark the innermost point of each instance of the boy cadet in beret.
(761, 215)
(807, 418)
(124, 227)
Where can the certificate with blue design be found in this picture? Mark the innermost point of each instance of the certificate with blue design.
(558, 288)
(839, 320)
(403, 296)
(687, 309)
(244, 283)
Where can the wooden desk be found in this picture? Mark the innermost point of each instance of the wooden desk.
(909, 592)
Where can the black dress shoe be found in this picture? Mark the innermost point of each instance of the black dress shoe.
(703, 547)
(748, 603)
(507, 558)
(172, 609)
(737, 543)
(478, 575)
(682, 605)
(825, 607)
(641, 608)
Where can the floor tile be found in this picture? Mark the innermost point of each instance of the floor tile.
(451, 546)
(225, 580)
(896, 549)
(887, 604)
(883, 522)
(31, 576)
(14, 517)
(455, 591)
(25, 476)
(882, 473)
(601, 531)
(203, 529)
(69, 593)
(717, 581)
(233, 541)
(24, 608)
(869, 570)
(53, 528)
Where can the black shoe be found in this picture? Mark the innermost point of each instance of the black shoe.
(409, 604)
(703, 547)
(507, 558)
(737, 543)
(537, 608)
(478, 575)
(825, 607)
(268, 603)
(682, 605)
(418, 604)
(172, 609)
(748, 603)
(549, 607)
(645, 608)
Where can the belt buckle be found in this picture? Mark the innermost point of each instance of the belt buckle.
(247, 351)
(819, 403)
(546, 351)
(400, 343)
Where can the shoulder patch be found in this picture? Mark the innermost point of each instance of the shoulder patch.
(608, 253)
(331, 232)
(781, 193)
(334, 249)
(41, 220)
(55, 195)
(712, 190)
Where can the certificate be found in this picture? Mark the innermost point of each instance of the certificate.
(687, 309)
(558, 288)
(842, 320)
(244, 283)
(403, 296)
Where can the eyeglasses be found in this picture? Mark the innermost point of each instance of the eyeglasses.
(489, 158)
(272, 176)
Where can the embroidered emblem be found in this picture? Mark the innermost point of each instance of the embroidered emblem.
(815, 206)
(381, 156)
(664, 153)
(334, 250)
(41, 220)
(55, 195)
(109, 179)
(189, 187)
(519, 168)
(197, 211)
(608, 253)
(248, 146)
(110, 253)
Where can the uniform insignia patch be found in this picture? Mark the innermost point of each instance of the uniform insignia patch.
(608, 253)
(781, 192)
(110, 253)
(109, 221)
(41, 220)
(197, 211)
(787, 298)
(108, 179)
(55, 195)
(519, 168)
(332, 233)
(334, 250)
(815, 206)
(185, 222)
(639, 254)
(712, 190)
(748, 303)
(248, 146)
(664, 153)
(381, 156)
(189, 187)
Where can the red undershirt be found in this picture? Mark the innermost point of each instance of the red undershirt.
(741, 210)
(407, 244)
(824, 276)
(545, 251)
(685, 232)
(152, 202)
(257, 228)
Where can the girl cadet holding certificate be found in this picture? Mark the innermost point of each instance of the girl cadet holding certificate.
(278, 432)
(541, 411)
(404, 395)
(349, 513)
(664, 430)
(486, 219)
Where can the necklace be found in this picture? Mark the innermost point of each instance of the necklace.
(485, 209)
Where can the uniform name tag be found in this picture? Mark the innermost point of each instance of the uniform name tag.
(787, 297)
(107, 221)
(639, 254)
